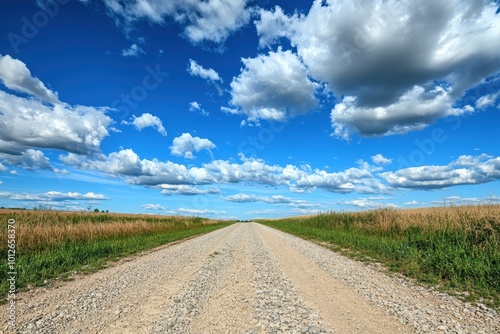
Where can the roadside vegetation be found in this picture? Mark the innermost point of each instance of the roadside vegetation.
(452, 248)
(51, 244)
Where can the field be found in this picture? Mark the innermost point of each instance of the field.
(452, 248)
(51, 244)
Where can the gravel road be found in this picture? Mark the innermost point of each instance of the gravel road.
(245, 278)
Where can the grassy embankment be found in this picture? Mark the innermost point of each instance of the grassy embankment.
(52, 244)
(454, 248)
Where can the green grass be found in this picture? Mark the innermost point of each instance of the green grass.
(58, 259)
(454, 251)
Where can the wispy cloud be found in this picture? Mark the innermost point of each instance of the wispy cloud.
(196, 107)
(133, 51)
(51, 196)
(153, 207)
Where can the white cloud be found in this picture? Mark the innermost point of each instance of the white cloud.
(148, 120)
(242, 198)
(272, 26)
(475, 170)
(364, 203)
(173, 189)
(200, 211)
(197, 70)
(196, 107)
(275, 199)
(15, 75)
(487, 100)
(273, 87)
(185, 144)
(3, 168)
(395, 66)
(415, 110)
(381, 160)
(210, 74)
(411, 203)
(153, 207)
(52, 196)
(359, 180)
(212, 20)
(26, 123)
(266, 212)
(138, 171)
(174, 178)
(216, 19)
(133, 51)
(29, 159)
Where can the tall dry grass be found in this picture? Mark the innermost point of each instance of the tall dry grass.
(40, 229)
(428, 219)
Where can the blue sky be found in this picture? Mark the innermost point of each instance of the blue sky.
(246, 109)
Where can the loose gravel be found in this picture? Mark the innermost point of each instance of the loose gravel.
(424, 309)
(241, 279)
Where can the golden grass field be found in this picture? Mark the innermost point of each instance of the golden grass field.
(36, 229)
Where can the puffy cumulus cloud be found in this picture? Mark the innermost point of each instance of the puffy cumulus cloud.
(212, 20)
(29, 159)
(380, 159)
(415, 110)
(28, 123)
(216, 19)
(52, 196)
(148, 120)
(126, 163)
(196, 69)
(273, 87)
(475, 170)
(178, 179)
(41, 121)
(249, 171)
(171, 176)
(174, 189)
(379, 57)
(15, 75)
(153, 207)
(185, 144)
(359, 180)
(133, 51)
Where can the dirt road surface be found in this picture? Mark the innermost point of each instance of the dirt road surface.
(246, 278)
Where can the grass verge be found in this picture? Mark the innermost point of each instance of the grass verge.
(52, 244)
(456, 249)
